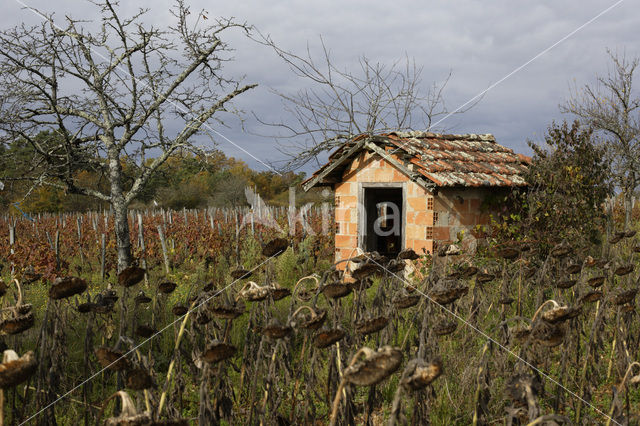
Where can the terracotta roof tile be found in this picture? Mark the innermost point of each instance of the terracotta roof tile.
(448, 160)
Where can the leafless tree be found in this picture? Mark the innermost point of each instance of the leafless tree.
(612, 108)
(112, 91)
(373, 98)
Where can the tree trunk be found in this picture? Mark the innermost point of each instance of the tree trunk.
(628, 206)
(121, 220)
(121, 227)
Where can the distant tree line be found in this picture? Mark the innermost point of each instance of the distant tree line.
(185, 180)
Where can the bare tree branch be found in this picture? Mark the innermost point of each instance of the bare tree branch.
(612, 108)
(374, 98)
(92, 95)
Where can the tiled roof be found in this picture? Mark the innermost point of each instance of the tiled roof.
(443, 160)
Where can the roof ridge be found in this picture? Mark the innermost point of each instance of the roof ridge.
(418, 134)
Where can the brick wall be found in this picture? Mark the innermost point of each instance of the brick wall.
(459, 210)
(427, 218)
(370, 168)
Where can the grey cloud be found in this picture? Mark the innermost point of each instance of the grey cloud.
(479, 41)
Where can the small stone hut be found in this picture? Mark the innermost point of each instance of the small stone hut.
(411, 189)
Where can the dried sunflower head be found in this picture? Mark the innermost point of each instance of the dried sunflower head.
(624, 269)
(254, 293)
(142, 298)
(227, 311)
(145, 331)
(508, 252)
(560, 314)
(336, 290)
(63, 288)
(17, 323)
(444, 328)
(374, 367)
(218, 351)
(276, 330)
(131, 276)
(591, 296)
(327, 337)
(547, 334)
(279, 293)
(419, 374)
(139, 379)
(371, 325)
(240, 273)
(406, 301)
(275, 247)
(596, 282)
(15, 369)
(179, 310)
(561, 250)
(625, 297)
(448, 291)
(167, 287)
(313, 321)
(112, 359)
(566, 283)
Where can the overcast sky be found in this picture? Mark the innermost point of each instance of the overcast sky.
(479, 41)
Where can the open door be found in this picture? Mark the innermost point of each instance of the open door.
(382, 221)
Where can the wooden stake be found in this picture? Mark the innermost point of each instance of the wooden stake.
(103, 245)
(163, 243)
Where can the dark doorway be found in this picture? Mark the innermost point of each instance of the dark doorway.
(383, 220)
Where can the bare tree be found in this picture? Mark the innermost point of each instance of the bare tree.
(102, 92)
(374, 98)
(612, 108)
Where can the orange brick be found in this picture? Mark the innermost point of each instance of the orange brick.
(346, 241)
(348, 201)
(343, 253)
(417, 203)
(422, 192)
(348, 252)
(365, 175)
(441, 233)
(423, 218)
(399, 176)
(344, 188)
(408, 243)
(352, 228)
(383, 175)
(343, 215)
(418, 245)
(414, 232)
